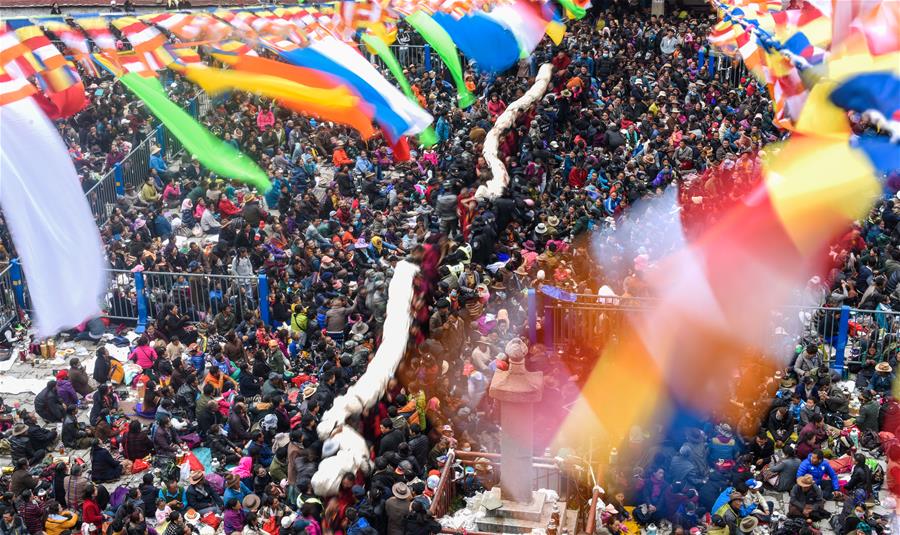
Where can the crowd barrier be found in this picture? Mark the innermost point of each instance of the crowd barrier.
(419, 55)
(842, 332)
(137, 298)
(8, 309)
(134, 169)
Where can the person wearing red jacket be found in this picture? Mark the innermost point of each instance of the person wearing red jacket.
(577, 176)
(227, 208)
(340, 157)
(90, 510)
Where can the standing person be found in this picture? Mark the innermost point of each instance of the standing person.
(420, 522)
(397, 507)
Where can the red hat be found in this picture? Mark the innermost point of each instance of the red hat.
(62, 374)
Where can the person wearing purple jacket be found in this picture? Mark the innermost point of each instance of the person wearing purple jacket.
(233, 517)
(65, 390)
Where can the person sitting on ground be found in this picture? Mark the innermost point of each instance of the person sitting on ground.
(74, 434)
(104, 467)
(806, 500)
(58, 520)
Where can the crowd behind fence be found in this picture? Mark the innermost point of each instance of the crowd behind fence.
(841, 332)
(134, 169)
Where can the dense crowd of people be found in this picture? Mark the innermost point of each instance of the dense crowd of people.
(634, 107)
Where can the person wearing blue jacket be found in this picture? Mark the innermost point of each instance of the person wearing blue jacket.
(817, 466)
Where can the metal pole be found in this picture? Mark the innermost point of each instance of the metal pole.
(18, 282)
(532, 316)
(264, 298)
(141, 302)
(841, 346)
(161, 139)
(119, 177)
(548, 327)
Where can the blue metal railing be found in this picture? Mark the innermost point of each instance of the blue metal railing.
(139, 297)
(134, 169)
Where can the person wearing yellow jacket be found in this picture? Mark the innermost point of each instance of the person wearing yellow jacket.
(58, 520)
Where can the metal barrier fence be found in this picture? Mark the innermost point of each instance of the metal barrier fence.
(136, 298)
(8, 311)
(134, 169)
(843, 333)
(422, 56)
(102, 198)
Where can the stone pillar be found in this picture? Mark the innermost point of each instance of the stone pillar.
(517, 390)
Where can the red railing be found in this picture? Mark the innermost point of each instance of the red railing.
(446, 490)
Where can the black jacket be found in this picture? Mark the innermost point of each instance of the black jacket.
(860, 478)
(41, 438)
(71, 431)
(48, 405)
(390, 442)
(21, 448)
(103, 466)
(101, 369)
(202, 496)
(421, 525)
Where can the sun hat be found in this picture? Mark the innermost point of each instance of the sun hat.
(806, 481)
(883, 367)
(360, 328)
(540, 229)
(309, 390)
(251, 502)
(19, 429)
(749, 523)
(195, 477)
(401, 491)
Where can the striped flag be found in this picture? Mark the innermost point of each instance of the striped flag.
(75, 42)
(97, 29)
(14, 88)
(15, 57)
(749, 50)
(234, 47)
(179, 24)
(186, 56)
(125, 63)
(147, 42)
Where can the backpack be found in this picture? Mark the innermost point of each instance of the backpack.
(299, 321)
